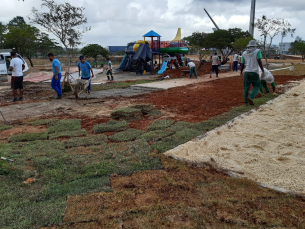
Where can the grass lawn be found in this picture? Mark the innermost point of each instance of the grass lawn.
(129, 180)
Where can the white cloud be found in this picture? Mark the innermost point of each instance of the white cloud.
(118, 22)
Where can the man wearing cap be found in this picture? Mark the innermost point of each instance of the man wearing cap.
(251, 61)
(268, 78)
(16, 67)
(56, 67)
(85, 68)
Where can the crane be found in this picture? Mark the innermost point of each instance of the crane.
(212, 19)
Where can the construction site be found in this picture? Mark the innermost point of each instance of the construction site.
(146, 144)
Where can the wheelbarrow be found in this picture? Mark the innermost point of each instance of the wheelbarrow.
(78, 86)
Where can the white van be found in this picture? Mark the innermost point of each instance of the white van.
(5, 60)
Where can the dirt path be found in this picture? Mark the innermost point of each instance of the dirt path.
(266, 146)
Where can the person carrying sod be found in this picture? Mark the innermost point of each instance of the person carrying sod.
(85, 68)
(192, 67)
(268, 78)
(215, 63)
(56, 67)
(109, 69)
(252, 59)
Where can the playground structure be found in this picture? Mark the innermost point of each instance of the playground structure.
(146, 55)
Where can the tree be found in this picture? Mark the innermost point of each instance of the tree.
(223, 40)
(3, 29)
(18, 22)
(298, 47)
(270, 28)
(196, 41)
(241, 44)
(93, 51)
(23, 38)
(63, 21)
(44, 44)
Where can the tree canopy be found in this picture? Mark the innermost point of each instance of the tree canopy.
(298, 47)
(196, 41)
(94, 51)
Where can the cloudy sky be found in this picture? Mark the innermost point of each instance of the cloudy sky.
(117, 22)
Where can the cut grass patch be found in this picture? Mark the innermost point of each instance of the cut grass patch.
(65, 125)
(28, 137)
(128, 114)
(73, 133)
(111, 126)
(175, 140)
(161, 124)
(5, 127)
(40, 122)
(127, 135)
(118, 85)
(86, 141)
(148, 109)
(156, 135)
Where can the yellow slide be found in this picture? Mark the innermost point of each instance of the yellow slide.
(178, 36)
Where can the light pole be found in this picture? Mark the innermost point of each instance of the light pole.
(252, 17)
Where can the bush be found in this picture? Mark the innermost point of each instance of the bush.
(161, 124)
(128, 114)
(28, 137)
(65, 125)
(156, 135)
(127, 135)
(111, 126)
(86, 141)
(73, 133)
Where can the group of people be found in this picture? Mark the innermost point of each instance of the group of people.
(84, 69)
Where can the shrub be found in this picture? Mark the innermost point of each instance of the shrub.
(127, 135)
(110, 126)
(160, 124)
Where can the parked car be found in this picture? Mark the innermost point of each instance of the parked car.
(5, 60)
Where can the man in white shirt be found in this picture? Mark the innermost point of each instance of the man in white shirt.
(16, 67)
(235, 62)
(215, 62)
(192, 67)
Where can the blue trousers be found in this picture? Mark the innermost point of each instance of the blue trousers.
(89, 87)
(235, 65)
(56, 84)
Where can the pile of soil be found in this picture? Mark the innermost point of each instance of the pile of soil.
(202, 101)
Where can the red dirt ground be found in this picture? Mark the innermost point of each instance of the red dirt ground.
(202, 101)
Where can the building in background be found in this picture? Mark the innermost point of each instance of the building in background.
(284, 47)
(114, 49)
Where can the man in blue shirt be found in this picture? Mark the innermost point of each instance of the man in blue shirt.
(56, 67)
(85, 68)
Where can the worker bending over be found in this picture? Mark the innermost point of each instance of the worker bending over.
(85, 68)
(192, 67)
(251, 62)
(268, 78)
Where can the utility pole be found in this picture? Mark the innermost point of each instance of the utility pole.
(252, 17)
(212, 19)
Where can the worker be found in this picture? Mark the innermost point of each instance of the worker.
(251, 62)
(109, 69)
(192, 67)
(268, 78)
(16, 67)
(56, 67)
(215, 62)
(85, 68)
(235, 62)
